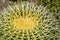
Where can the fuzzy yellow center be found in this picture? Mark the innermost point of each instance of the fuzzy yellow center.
(24, 23)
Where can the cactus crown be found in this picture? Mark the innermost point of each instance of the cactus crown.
(27, 21)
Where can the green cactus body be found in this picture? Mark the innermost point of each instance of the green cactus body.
(26, 21)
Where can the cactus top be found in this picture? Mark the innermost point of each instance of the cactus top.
(27, 21)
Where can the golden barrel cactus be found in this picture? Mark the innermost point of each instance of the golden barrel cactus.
(27, 21)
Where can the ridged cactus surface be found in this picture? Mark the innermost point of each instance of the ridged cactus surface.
(27, 21)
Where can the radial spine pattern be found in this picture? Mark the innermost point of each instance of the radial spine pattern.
(26, 21)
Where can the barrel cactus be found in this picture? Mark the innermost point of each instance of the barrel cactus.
(27, 21)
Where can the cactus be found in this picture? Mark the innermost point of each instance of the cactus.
(27, 21)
